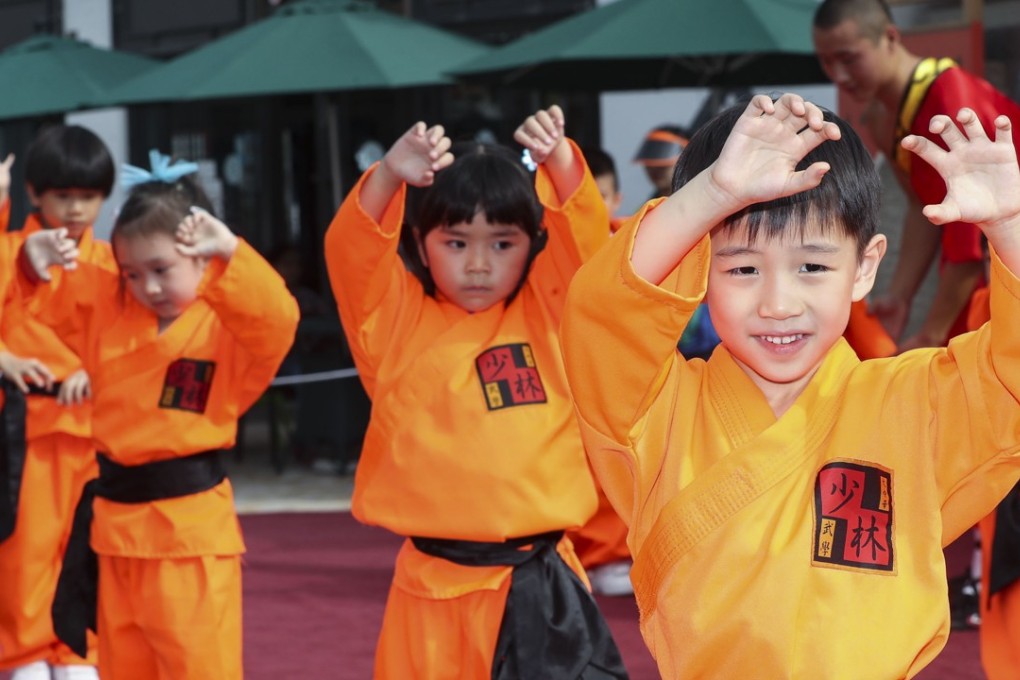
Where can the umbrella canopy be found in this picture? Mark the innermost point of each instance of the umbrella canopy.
(48, 74)
(309, 46)
(647, 44)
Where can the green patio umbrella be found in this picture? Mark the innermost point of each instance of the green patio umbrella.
(308, 46)
(647, 44)
(48, 74)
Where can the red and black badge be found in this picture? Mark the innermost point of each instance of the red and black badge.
(187, 385)
(854, 517)
(509, 376)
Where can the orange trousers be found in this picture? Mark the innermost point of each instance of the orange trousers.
(451, 633)
(169, 619)
(1000, 617)
(603, 539)
(56, 468)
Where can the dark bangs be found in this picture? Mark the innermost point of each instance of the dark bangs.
(848, 197)
(69, 157)
(486, 178)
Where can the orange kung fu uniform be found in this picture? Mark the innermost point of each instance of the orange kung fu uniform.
(170, 583)
(808, 545)
(1000, 611)
(472, 435)
(59, 459)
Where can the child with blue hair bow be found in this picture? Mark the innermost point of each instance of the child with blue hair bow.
(177, 345)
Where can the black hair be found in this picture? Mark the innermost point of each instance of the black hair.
(486, 178)
(601, 163)
(847, 198)
(158, 207)
(872, 16)
(69, 157)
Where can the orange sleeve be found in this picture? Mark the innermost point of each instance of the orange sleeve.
(5, 215)
(576, 228)
(376, 295)
(613, 319)
(76, 304)
(252, 301)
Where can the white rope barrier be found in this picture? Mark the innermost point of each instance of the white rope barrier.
(321, 376)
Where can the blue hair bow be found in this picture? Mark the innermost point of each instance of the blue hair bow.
(162, 171)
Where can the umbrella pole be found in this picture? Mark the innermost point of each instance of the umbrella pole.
(333, 139)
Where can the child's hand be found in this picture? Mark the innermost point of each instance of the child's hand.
(76, 389)
(541, 133)
(982, 177)
(419, 154)
(202, 235)
(758, 162)
(5, 178)
(21, 371)
(48, 247)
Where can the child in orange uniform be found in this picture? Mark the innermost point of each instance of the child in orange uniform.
(788, 503)
(177, 346)
(471, 451)
(69, 172)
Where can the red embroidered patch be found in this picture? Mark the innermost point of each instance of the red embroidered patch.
(509, 376)
(187, 385)
(854, 517)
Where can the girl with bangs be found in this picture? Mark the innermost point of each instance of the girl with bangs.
(472, 451)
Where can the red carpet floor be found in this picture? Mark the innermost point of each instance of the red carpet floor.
(315, 586)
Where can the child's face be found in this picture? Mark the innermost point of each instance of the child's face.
(158, 276)
(76, 209)
(780, 304)
(476, 264)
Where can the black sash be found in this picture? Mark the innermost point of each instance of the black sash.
(12, 450)
(74, 604)
(12, 455)
(1005, 568)
(551, 627)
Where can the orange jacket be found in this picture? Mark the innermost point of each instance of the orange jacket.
(808, 545)
(27, 336)
(175, 393)
(445, 454)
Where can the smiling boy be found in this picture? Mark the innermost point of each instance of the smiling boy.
(788, 503)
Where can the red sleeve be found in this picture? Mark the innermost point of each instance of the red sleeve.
(953, 90)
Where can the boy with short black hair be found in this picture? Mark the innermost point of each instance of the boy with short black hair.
(69, 172)
(787, 502)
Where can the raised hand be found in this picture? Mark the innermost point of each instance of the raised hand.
(981, 174)
(419, 154)
(542, 133)
(25, 371)
(48, 247)
(76, 389)
(202, 235)
(758, 162)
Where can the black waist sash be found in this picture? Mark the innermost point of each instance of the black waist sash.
(12, 450)
(551, 627)
(1005, 567)
(75, 601)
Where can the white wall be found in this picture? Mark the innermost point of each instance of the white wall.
(628, 116)
(92, 21)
